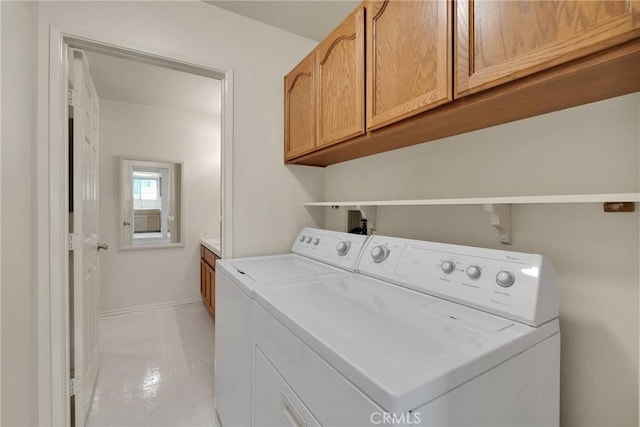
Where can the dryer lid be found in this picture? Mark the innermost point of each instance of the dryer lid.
(280, 267)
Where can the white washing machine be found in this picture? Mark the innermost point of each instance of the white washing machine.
(315, 253)
(424, 334)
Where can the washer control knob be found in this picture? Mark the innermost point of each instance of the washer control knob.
(343, 247)
(448, 267)
(302, 238)
(308, 239)
(474, 272)
(316, 241)
(505, 279)
(379, 253)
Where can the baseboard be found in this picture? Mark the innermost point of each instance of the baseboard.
(148, 307)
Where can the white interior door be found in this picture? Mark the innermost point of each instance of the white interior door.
(126, 208)
(84, 228)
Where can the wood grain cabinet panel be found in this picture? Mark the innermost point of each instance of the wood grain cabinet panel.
(340, 79)
(500, 41)
(409, 45)
(300, 108)
(203, 279)
(208, 278)
(211, 291)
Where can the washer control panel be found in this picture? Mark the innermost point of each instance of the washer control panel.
(332, 247)
(514, 285)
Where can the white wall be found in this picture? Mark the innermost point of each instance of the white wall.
(19, 37)
(268, 196)
(588, 149)
(152, 276)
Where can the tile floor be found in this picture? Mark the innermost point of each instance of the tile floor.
(156, 369)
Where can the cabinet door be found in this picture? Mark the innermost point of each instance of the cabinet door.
(212, 291)
(139, 223)
(300, 108)
(340, 74)
(408, 58)
(500, 41)
(203, 279)
(153, 223)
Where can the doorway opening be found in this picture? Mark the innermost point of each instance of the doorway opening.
(59, 388)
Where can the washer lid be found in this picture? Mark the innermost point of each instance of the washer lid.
(280, 267)
(400, 347)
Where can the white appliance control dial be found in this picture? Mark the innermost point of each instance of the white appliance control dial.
(343, 247)
(474, 272)
(308, 239)
(316, 241)
(302, 238)
(379, 253)
(448, 267)
(505, 279)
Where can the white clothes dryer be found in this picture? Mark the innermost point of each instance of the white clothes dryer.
(315, 253)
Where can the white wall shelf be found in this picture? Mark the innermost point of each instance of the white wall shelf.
(514, 200)
(498, 209)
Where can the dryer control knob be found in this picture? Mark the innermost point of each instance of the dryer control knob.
(505, 279)
(316, 241)
(379, 254)
(302, 238)
(343, 247)
(308, 239)
(448, 267)
(474, 272)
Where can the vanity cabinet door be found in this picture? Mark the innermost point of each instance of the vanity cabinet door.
(300, 108)
(203, 279)
(500, 41)
(408, 58)
(208, 278)
(211, 292)
(340, 80)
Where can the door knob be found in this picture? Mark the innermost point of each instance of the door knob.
(126, 223)
(104, 246)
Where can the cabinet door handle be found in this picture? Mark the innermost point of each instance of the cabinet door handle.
(292, 414)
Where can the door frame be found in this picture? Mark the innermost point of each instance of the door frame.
(53, 196)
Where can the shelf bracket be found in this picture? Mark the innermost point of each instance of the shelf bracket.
(369, 213)
(500, 219)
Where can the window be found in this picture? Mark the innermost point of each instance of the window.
(145, 189)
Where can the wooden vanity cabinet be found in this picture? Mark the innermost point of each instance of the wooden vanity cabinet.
(300, 108)
(501, 41)
(208, 278)
(409, 64)
(340, 79)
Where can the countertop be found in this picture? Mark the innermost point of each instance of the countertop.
(213, 245)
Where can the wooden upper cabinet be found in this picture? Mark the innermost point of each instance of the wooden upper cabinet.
(500, 41)
(409, 46)
(300, 108)
(340, 74)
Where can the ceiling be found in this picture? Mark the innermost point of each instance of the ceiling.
(313, 19)
(125, 80)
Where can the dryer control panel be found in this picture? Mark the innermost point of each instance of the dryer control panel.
(514, 285)
(332, 247)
